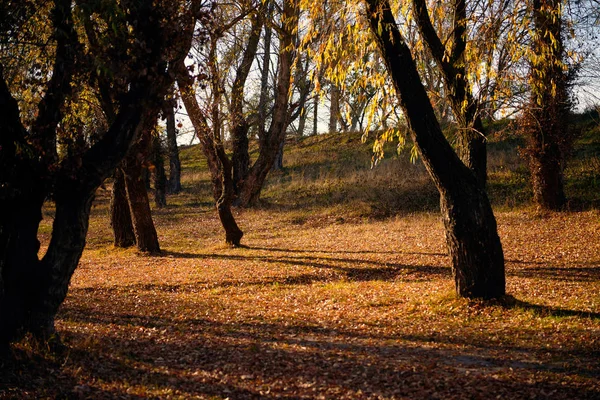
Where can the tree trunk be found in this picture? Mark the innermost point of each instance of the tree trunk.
(139, 205)
(278, 164)
(69, 231)
(174, 185)
(120, 216)
(471, 233)
(334, 108)
(233, 234)
(160, 177)
(239, 126)
(270, 142)
(21, 199)
(471, 141)
(301, 123)
(545, 121)
(315, 114)
(264, 77)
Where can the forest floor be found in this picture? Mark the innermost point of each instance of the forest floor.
(321, 303)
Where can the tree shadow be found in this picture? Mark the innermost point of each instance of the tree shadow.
(582, 272)
(245, 360)
(510, 302)
(381, 271)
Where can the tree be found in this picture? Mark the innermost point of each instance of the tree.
(33, 169)
(471, 234)
(452, 64)
(174, 183)
(545, 120)
(160, 177)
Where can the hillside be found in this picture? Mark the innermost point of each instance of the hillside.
(332, 174)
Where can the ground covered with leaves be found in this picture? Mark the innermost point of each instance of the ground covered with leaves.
(321, 307)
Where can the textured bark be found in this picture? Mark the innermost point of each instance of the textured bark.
(69, 231)
(174, 184)
(233, 234)
(471, 141)
(302, 123)
(545, 121)
(137, 195)
(120, 216)
(471, 233)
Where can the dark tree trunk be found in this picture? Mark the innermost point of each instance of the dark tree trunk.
(174, 185)
(278, 164)
(240, 157)
(19, 265)
(120, 216)
(31, 291)
(264, 77)
(545, 121)
(471, 141)
(315, 114)
(471, 233)
(160, 177)
(69, 231)
(334, 108)
(139, 205)
(233, 234)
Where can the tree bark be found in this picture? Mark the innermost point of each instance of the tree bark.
(120, 216)
(334, 108)
(471, 233)
(174, 185)
(69, 230)
(545, 121)
(139, 205)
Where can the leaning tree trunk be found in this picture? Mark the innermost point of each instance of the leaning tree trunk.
(233, 234)
(471, 141)
(174, 184)
(139, 205)
(120, 216)
(471, 232)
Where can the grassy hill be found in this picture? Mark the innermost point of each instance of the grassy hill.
(332, 174)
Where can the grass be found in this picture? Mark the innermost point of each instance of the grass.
(342, 291)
